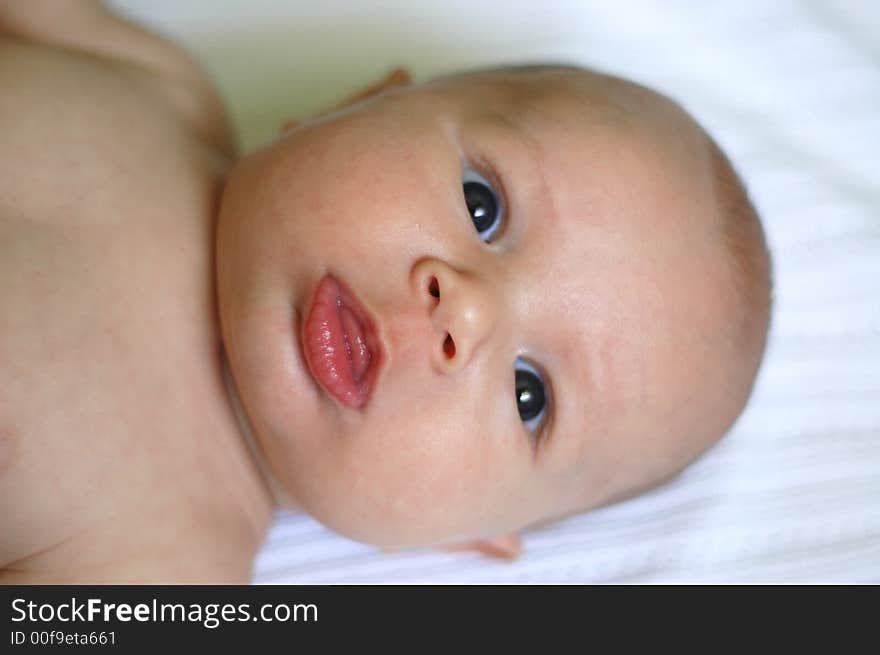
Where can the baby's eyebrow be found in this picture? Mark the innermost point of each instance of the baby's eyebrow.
(567, 394)
(516, 129)
(578, 364)
(519, 131)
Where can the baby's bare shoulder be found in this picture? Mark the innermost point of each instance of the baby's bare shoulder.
(81, 136)
(108, 344)
(91, 29)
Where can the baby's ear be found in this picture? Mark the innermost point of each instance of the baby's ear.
(507, 547)
(397, 77)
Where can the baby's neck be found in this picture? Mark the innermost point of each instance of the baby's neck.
(247, 434)
(241, 506)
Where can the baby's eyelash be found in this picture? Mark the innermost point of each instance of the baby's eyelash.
(537, 425)
(542, 437)
(485, 168)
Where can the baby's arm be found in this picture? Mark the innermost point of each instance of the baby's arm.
(87, 26)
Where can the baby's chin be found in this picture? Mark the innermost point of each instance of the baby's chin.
(389, 526)
(392, 533)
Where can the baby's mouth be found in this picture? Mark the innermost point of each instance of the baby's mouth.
(341, 344)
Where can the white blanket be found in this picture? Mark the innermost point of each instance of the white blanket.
(792, 92)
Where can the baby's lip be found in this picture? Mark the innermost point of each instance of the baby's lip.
(341, 344)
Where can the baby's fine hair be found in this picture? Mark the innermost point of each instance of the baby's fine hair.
(750, 258)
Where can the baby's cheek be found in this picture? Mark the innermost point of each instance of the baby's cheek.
(423, 489)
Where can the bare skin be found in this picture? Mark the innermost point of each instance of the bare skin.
(115, 426)
(127, 454)
(609, 273)
(121, 457)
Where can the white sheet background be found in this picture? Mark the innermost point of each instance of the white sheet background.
(792, 91)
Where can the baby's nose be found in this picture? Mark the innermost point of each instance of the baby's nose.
(462, 311)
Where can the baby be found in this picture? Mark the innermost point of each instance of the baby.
(435, 316)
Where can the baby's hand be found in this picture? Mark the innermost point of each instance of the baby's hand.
(507, 547)
(397, 77)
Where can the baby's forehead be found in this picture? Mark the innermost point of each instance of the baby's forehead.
(523, 98)
(531, 94)
(568, 103)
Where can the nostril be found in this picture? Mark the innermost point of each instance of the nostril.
(449, 346)
(434, 287)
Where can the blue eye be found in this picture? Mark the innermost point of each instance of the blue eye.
(482, 203)
(531, 395)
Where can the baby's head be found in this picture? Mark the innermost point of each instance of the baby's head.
(460, 308)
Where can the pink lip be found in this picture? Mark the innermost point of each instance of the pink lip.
(341, 344)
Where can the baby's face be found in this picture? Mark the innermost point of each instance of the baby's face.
(458, 309)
